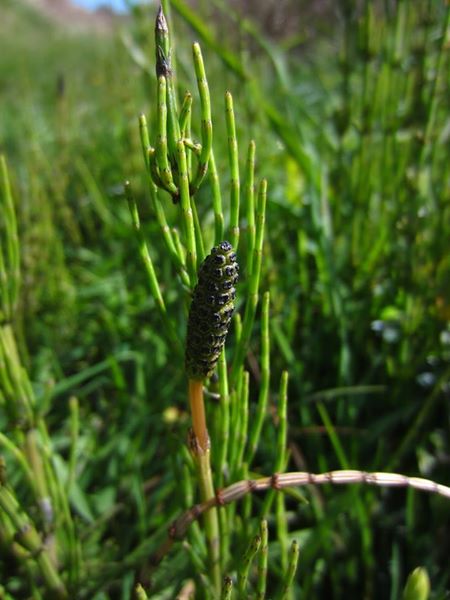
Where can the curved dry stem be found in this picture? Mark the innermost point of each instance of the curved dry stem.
(277, 481)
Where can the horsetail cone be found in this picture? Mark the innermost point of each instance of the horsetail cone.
(211, 311)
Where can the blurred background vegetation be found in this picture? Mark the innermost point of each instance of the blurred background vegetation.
(348, 105)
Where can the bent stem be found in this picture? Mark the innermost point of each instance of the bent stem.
(280, 481)
(200, 448)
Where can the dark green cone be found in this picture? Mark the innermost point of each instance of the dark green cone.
(211, 311)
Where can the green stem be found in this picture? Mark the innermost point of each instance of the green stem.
(253, 291)
(9, 247)
(217, 200)
(144, 137)
(234, 171)
(243, 424)
(280, 462)
(198, 233)
(245, 567)
(33, 454)
(262, 562)
(15, 383)
(290, 573)
(227, 589)
(148, 264)
(176, 257)
(186, 213)
(264, 383)
(249, 194)
(162, 160)
(164, 67)
(185, 114)
(205, 104)
(18, 455)
(225, 417)
(29, 538)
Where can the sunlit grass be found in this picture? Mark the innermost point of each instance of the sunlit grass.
(351, 135)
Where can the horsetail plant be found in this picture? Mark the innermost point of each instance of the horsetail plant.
(28, 428)
(209, 319)
(178, 166)
(59, 550)
(285, 588)
(170, 167)
(280, 481)
(262, 562)
(246, 563)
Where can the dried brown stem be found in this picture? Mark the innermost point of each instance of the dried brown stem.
(277, 481)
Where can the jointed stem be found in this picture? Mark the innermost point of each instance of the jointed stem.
(28, 537)
(244, 569)
(261, 408)
(238, 490)
(201, 453)
(186, 213)
(253, 289)
(205, 103)
(165, 172)
(224, 430)
(198, 413)
(262, 562)
(148, 264)
(250, 203)
(217, 200)
(185, 115)
(234, 170)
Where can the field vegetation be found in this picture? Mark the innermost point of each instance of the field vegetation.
(328, 171)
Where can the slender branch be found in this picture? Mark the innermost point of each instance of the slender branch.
(185, 114)
(206, 128)
(162, 160)
(174, 253)
(227, 588)
(253, 286)
(262, 562)
(148, 264)
(238, 490)
(280, 464)
(217, 200)
(9, 247)
(233, 158)
(186, 213)
(249, 195)
(154, 170)
(224, 424)
(245, 565)
(198, 233)
(283, 593)
(152, 167)
(263, 396)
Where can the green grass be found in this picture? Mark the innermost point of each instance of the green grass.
(351, 134)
